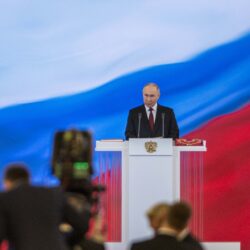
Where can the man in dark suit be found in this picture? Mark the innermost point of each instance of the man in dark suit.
(30, 216)
(151, 119)
(178, 217)
(165, 236)
(159, 242)
(188, 241)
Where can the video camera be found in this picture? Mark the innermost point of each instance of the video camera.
(72, 164)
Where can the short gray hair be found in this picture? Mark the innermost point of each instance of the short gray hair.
(153, 85)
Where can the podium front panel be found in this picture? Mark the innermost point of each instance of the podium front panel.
(150, 180)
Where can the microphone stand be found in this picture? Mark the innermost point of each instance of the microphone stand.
(163, 118)
(139, 125)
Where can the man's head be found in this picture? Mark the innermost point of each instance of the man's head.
(151, 94)
(15, 174)
(157, 215)
(179, 215)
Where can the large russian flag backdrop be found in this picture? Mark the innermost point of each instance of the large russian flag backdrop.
(83, 64)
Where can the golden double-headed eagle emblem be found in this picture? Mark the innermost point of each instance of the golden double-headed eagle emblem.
(150, 146)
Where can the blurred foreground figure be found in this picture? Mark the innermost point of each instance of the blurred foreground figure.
(165, 235)
(178, 217)
(72, 165)
(157, 215)
(30, 216)
(170, 226)
(96, 236)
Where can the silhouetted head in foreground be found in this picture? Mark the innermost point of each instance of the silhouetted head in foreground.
(15, 175)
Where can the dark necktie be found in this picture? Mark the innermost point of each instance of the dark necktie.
(151, 119)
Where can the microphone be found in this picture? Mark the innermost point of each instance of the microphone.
(163, 118)
(139, 125)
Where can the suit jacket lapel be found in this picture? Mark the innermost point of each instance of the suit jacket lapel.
(158, 119)
(145, 117)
